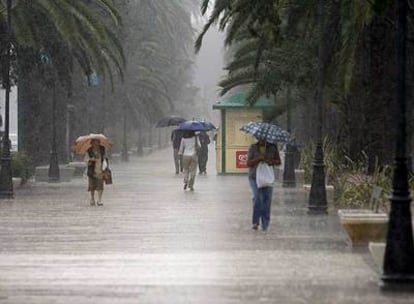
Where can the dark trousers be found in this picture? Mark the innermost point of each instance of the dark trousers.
(202, 159)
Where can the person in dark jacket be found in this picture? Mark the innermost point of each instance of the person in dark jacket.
(204, 140)
(176, 136)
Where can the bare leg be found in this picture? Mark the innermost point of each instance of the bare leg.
(92, 198)
(100, 192)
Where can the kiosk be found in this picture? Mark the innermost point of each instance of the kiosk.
(232, 144)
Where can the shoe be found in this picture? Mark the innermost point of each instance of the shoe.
(92, 202)
(255, 226)
(176, 173)
(191, 188)
(99, 203)
(185, 186)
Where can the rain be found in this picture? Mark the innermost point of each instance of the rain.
(206, 151)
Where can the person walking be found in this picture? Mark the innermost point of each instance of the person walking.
(176, 136)
(189, 148)
(203, 155)
(95, 158)
(262, 197)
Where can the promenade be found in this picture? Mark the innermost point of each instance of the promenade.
(153, 242)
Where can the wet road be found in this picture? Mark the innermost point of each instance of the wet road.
(152, 242)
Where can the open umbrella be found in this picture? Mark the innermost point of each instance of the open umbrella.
(266, 131)
(169, 121)
(83, 143)
(193, 125)
(209, 125)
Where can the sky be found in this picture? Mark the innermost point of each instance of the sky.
(209, 69)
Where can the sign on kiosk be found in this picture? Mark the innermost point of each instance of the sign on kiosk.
(241, 159)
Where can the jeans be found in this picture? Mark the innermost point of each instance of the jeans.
(262, 199)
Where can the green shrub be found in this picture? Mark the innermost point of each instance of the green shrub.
(21, 166)
(354, 187)
(332, 161)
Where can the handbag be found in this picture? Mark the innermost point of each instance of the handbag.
(107, 176)
(265, 175)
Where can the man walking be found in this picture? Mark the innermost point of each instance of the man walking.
(204, 140)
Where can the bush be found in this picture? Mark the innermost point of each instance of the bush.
(21, 166)
(332, 161)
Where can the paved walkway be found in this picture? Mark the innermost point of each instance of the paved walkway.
(152, 242)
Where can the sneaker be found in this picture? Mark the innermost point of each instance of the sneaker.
(185, 186)
(255, 226)
(99, 203)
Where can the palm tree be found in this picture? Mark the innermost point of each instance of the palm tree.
(68, 31)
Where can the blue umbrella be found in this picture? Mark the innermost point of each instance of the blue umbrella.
(208, 125)
(193, 125)
(266, 131)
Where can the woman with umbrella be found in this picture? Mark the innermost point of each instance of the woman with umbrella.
(94, 147)
(262, 197)
(264, 150)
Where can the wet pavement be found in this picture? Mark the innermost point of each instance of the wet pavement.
(153, 242)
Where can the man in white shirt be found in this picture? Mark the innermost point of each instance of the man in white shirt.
(189, 150)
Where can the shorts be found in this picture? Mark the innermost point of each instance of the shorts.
(95, 184)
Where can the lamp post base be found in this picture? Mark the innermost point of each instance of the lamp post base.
(397, 283)
(289, 180)
(317, 197)
(54, 174)
(6, 181)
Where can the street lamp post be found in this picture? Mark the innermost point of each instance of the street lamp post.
(317, 196)
(6, 182)
(69, 113)
(54, 174)
(398, 268)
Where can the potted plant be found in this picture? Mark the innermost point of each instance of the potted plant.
(21, 167)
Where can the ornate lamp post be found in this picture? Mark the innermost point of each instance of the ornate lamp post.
(54, 172)
(398, 268)
(317, 197)
(6, 183)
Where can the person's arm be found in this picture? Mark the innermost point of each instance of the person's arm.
(182, 147)
(275, 160)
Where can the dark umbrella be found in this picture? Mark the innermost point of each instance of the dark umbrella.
(169, 121)
(193, 125)
(209, 125)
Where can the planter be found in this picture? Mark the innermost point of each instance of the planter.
(363, 225)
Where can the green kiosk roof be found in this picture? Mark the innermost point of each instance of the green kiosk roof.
(238, 100)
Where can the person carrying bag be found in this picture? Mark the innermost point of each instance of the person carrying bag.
(261, 159)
